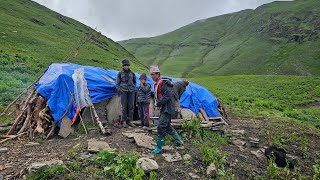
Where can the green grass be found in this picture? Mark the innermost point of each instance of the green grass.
(256, 42)
(32, 37)
(104, 165)
(268, 96)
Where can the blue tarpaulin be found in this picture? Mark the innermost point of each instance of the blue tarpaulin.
(57, 85)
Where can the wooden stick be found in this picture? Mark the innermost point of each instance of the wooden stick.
(54, 125)
(204, 114)
(6, 136)
(16, 122)
(98, 121)
(17, 107)
(39, 106)
(85, 129)
(13, 137)
(21, 113)
(26, 122)
(93, 122)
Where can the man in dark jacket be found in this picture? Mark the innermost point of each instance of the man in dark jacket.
(143, 100)
(163, 99)
(178, 89)
(126, 85)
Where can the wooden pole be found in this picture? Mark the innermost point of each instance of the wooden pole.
(98, 121)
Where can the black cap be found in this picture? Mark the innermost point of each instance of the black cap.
(143, 76)
(125, 62)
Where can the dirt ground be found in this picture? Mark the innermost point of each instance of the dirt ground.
(241, 161)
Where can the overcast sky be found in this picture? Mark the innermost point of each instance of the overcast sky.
(126, 19)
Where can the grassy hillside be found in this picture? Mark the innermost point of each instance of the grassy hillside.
(280, 38)
(32, 37)
(278, 97)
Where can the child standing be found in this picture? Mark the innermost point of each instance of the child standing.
(143, 100)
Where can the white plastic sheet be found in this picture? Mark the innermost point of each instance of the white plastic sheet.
(81, 92)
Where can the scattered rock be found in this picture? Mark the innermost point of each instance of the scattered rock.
(31, 144)
(65, 127)
(93, 130)
(4, 150)
(95, 146)
(194, 176)
(241, 148)
(168, 148)
(172, 157)
(148, 155)
(238, 142)
(147, 164)
(113, 109)
(108, 131)
(187, 114)
(141, 139)
(103, 138)
(292, 159)
(84, 156)
(254, 144)
(254, 139)
(212, 170)
(237, 132)
(186, 157)
(180, 147)
(37, 165)
(258, 154)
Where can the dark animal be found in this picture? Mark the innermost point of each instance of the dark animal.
(279, 155)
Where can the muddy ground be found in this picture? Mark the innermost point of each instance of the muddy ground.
(242, 163)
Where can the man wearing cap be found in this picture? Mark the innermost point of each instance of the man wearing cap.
(163, 92)
(126, 85)
(143, 100)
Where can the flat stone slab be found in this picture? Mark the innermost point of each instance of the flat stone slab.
(168, 148)
(147, 164)
(95, 146)
(30, 144)
(239, 142)
(4, 150)
(259, 154)
(254, 139)
(141, 139)
(172, 157)
(237, 132)
(37, 165)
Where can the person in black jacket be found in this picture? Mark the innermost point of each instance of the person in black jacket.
(126, 85)
(163, 92)
(143, 100)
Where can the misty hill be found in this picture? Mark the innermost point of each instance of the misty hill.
(276, 38)
(32, 37)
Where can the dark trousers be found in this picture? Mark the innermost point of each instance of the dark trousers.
(127, 102)
(143, 110)
(164, 125)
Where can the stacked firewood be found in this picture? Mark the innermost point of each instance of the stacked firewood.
(32, 119)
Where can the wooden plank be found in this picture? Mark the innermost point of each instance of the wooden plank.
(214, 118)
(199, 115)
(204, 114)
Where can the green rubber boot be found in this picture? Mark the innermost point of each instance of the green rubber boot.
(158, 149)
(178, 139)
